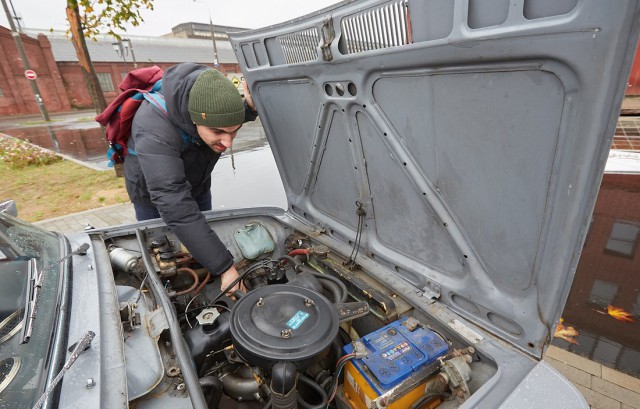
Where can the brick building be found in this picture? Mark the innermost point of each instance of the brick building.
(60, 78)
(16, 96)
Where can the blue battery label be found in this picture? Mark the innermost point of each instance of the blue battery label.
(397, 351)
(297, 319)
(383, 342)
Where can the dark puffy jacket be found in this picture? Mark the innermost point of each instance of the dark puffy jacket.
(168, 175)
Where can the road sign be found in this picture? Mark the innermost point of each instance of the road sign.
(30, 74)
(235, 81)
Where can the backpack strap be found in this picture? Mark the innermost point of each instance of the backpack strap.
(157, 100)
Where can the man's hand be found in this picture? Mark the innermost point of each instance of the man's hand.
(227, 278)
(248, 98)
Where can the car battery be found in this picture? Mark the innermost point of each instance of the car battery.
(400, 355)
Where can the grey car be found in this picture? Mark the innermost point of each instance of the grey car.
(441, 160)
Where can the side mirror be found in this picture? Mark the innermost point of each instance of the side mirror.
(9, 207)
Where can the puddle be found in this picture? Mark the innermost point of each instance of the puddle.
(603, 308)
(85, 145)
(255, 181)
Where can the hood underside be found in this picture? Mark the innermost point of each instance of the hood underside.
(472, 135)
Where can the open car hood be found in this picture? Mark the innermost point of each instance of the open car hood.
(465, 140)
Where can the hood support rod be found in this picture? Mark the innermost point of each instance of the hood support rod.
(179, 345)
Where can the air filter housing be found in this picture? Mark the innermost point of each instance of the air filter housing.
(282, 323)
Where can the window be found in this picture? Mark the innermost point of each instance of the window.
(623, 239)
(106, 82)
(603, 292)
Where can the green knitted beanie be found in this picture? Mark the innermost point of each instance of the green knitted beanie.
(214, 101)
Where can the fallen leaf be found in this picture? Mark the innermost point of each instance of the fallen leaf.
(619, 314)
(568, 333)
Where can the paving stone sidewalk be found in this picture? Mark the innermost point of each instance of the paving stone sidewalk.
(602, 387)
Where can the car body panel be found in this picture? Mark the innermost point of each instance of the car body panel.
(473, 146)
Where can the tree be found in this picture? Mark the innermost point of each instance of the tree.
(87, 18)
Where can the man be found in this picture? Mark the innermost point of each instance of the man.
(170, 174)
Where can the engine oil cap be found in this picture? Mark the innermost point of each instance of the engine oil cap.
(282, 323)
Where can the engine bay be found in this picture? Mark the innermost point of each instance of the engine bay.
(309, 328)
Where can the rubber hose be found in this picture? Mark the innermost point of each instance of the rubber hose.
(343, 288)
(284, 394)
(332, 288)
(302, 403)
(301, 252)
(239, 385)
(196, 281)
(318, 389)
(215, 394)
(289, 259)
(183, 258)
(203, 283)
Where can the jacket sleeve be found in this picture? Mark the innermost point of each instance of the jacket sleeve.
(163, 169)
(249, 115)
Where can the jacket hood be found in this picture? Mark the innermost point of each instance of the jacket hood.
(176, 84)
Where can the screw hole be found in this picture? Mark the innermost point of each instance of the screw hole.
(465, 256)
(445, 225)
(364, 106)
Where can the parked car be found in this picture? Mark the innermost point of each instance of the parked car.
(441, 162)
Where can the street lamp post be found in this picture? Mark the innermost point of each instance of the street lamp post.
(127, 45)
(213, 34)
(123, 46)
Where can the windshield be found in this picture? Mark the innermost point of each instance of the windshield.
(25, 250)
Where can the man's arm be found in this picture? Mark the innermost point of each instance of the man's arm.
(163, 168)
(250, 113)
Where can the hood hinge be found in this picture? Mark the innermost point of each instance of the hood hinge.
(319, 228)
(431, 291)
(328, 34)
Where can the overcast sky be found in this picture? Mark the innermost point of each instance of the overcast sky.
(168, 13)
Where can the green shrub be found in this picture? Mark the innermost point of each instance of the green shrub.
(18, 154)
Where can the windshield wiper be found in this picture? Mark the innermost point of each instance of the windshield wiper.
(33, 290)
(82, 345)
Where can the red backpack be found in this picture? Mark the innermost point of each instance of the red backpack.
(138, 85)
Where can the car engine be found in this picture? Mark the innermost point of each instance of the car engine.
(308, 329)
